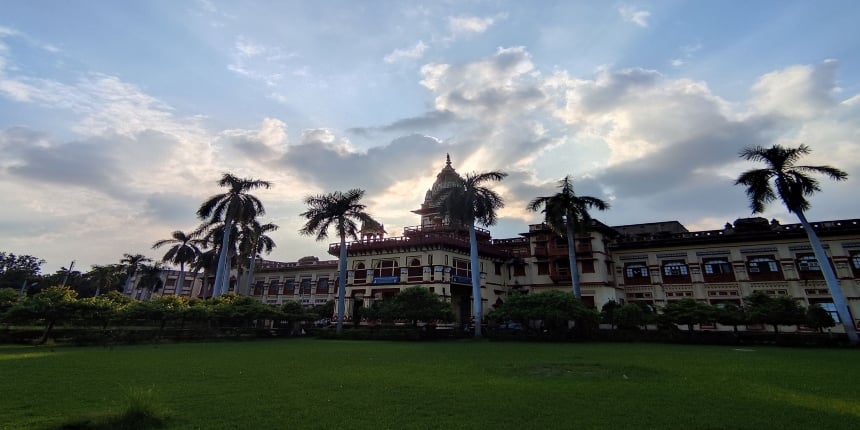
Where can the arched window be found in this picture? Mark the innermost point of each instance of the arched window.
(717, 266)
(763, 265)
(636, 270)
(414, 262)
(808, 263)
(359, 265)
(675, 268)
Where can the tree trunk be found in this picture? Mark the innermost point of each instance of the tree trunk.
(476, 280)
(222, 257)
(98, 289)
(830, 278)
(341, 285)
(47, 332)
(251, 270)
(571, 257)
(180, 283)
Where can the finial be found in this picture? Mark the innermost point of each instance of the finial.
(448, 160)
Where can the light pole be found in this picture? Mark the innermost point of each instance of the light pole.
(66, 279)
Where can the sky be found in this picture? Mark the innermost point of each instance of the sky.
(118, 118)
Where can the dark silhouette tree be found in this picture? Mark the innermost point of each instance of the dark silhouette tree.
(791, 183)
(340, 211)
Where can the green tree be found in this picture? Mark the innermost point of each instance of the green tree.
(17, 270)
(565, 213)
(105, 277)
(775, 311)
(631, 316)
(418, 304)
(689, 312)
(9, 297)
(104, 308)
(53, 304)
(466, 203)
(255, 241)
(609, 311)
(340, 211)
(236, 205)
(555, 309)
(782, 178)
(818, 318)
(729, 314)
(183, 250)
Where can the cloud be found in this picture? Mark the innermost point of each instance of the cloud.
(412, 53)
(472, 24)
(634, 15)
(801, 92)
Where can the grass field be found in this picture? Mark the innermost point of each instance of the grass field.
(470, 385)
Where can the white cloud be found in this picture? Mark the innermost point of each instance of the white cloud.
(412, 53)
(634, 15)
(803, 92)
(472, 24)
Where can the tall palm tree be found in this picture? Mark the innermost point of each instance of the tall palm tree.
(254, 242)
(208, 263)
(184, 250)
(565, 213)
(132, 263)
(793, 184)
(341, 211)
(104, 276)
(150, 277)
(235, 205)
(467, 203)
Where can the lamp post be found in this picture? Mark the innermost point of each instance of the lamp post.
(66, 279)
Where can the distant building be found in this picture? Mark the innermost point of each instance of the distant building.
(652, 263)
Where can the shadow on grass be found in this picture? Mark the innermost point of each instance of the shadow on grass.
(140, 412)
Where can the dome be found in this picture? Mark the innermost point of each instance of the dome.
(446, 178)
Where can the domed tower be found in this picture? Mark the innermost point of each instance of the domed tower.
(446, 178)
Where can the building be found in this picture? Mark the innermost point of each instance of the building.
(651, 263)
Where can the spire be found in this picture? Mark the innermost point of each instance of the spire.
(447, 160)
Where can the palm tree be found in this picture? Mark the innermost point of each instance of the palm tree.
(208, 263)
(183, 251)
(254, 242)
(793, 185)
(565, 213)
(132, 262)
(341, 211)
(235, 205)
(104, 276)
(150, 277)
(466, 203)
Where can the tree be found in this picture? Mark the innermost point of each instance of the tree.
(183, 250)
(631, 316)
(792, 184)
(104, 277)
(17, 270)
(776, 311)
(255, 242)
(52, 304)
(466, 203)
(132, 263)
(340, 211)
(235, 205)
(553, 308)
(609, 311)
(150, 278)
(818, 318)
(104, 308)
(418, 304)
(689, 312)
(565, 213)
(729, 314)
(9, 297)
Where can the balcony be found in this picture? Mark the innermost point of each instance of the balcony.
(426, 238)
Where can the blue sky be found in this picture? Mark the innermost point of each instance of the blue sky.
(116, 118)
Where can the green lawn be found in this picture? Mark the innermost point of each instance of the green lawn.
(377, 385)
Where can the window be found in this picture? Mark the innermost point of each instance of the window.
(588, 266)
(289, 286)
(717, 266)
(829, 307)
(543, 268)
(461, 267)
(359, 265)
(763, 265)
(808, 263)
(430, 260)
(675, 268)
(387, 268)
(305, 286)
(498, 268)
(636, 270)
(322, 285)
(855, 261)
(519, 270)
(414, 262)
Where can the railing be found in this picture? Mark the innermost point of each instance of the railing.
(426, 239)
(820, 227)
